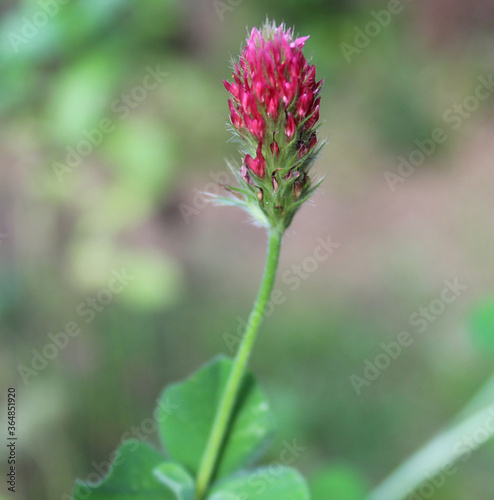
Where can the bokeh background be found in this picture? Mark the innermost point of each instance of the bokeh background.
(133, 201)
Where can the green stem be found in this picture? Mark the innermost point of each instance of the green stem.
(443, 450)
(223, 416)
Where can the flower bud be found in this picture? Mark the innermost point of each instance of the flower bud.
(234, 116)
(275, 149)
(274, 91)
(302, 150)
(312, 140)
(304, 103)
(257, 164)
(291, 127)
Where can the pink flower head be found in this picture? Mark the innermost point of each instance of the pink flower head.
(274, 112)
(274, 89)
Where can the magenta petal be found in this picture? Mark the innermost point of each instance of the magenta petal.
(299, 42)
(271, 77)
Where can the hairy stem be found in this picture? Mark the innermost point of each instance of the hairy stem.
(229, 398)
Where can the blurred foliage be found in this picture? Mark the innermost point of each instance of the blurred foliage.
(118, 207)
(338, 482)
(482, 323)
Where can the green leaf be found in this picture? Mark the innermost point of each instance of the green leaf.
(177, 479)
(131, 477)
(267, 483)
(338, 482)
(185, 431)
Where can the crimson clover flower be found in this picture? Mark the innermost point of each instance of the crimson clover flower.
(274, 110)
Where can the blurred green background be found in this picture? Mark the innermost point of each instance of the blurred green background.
(71, 80)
